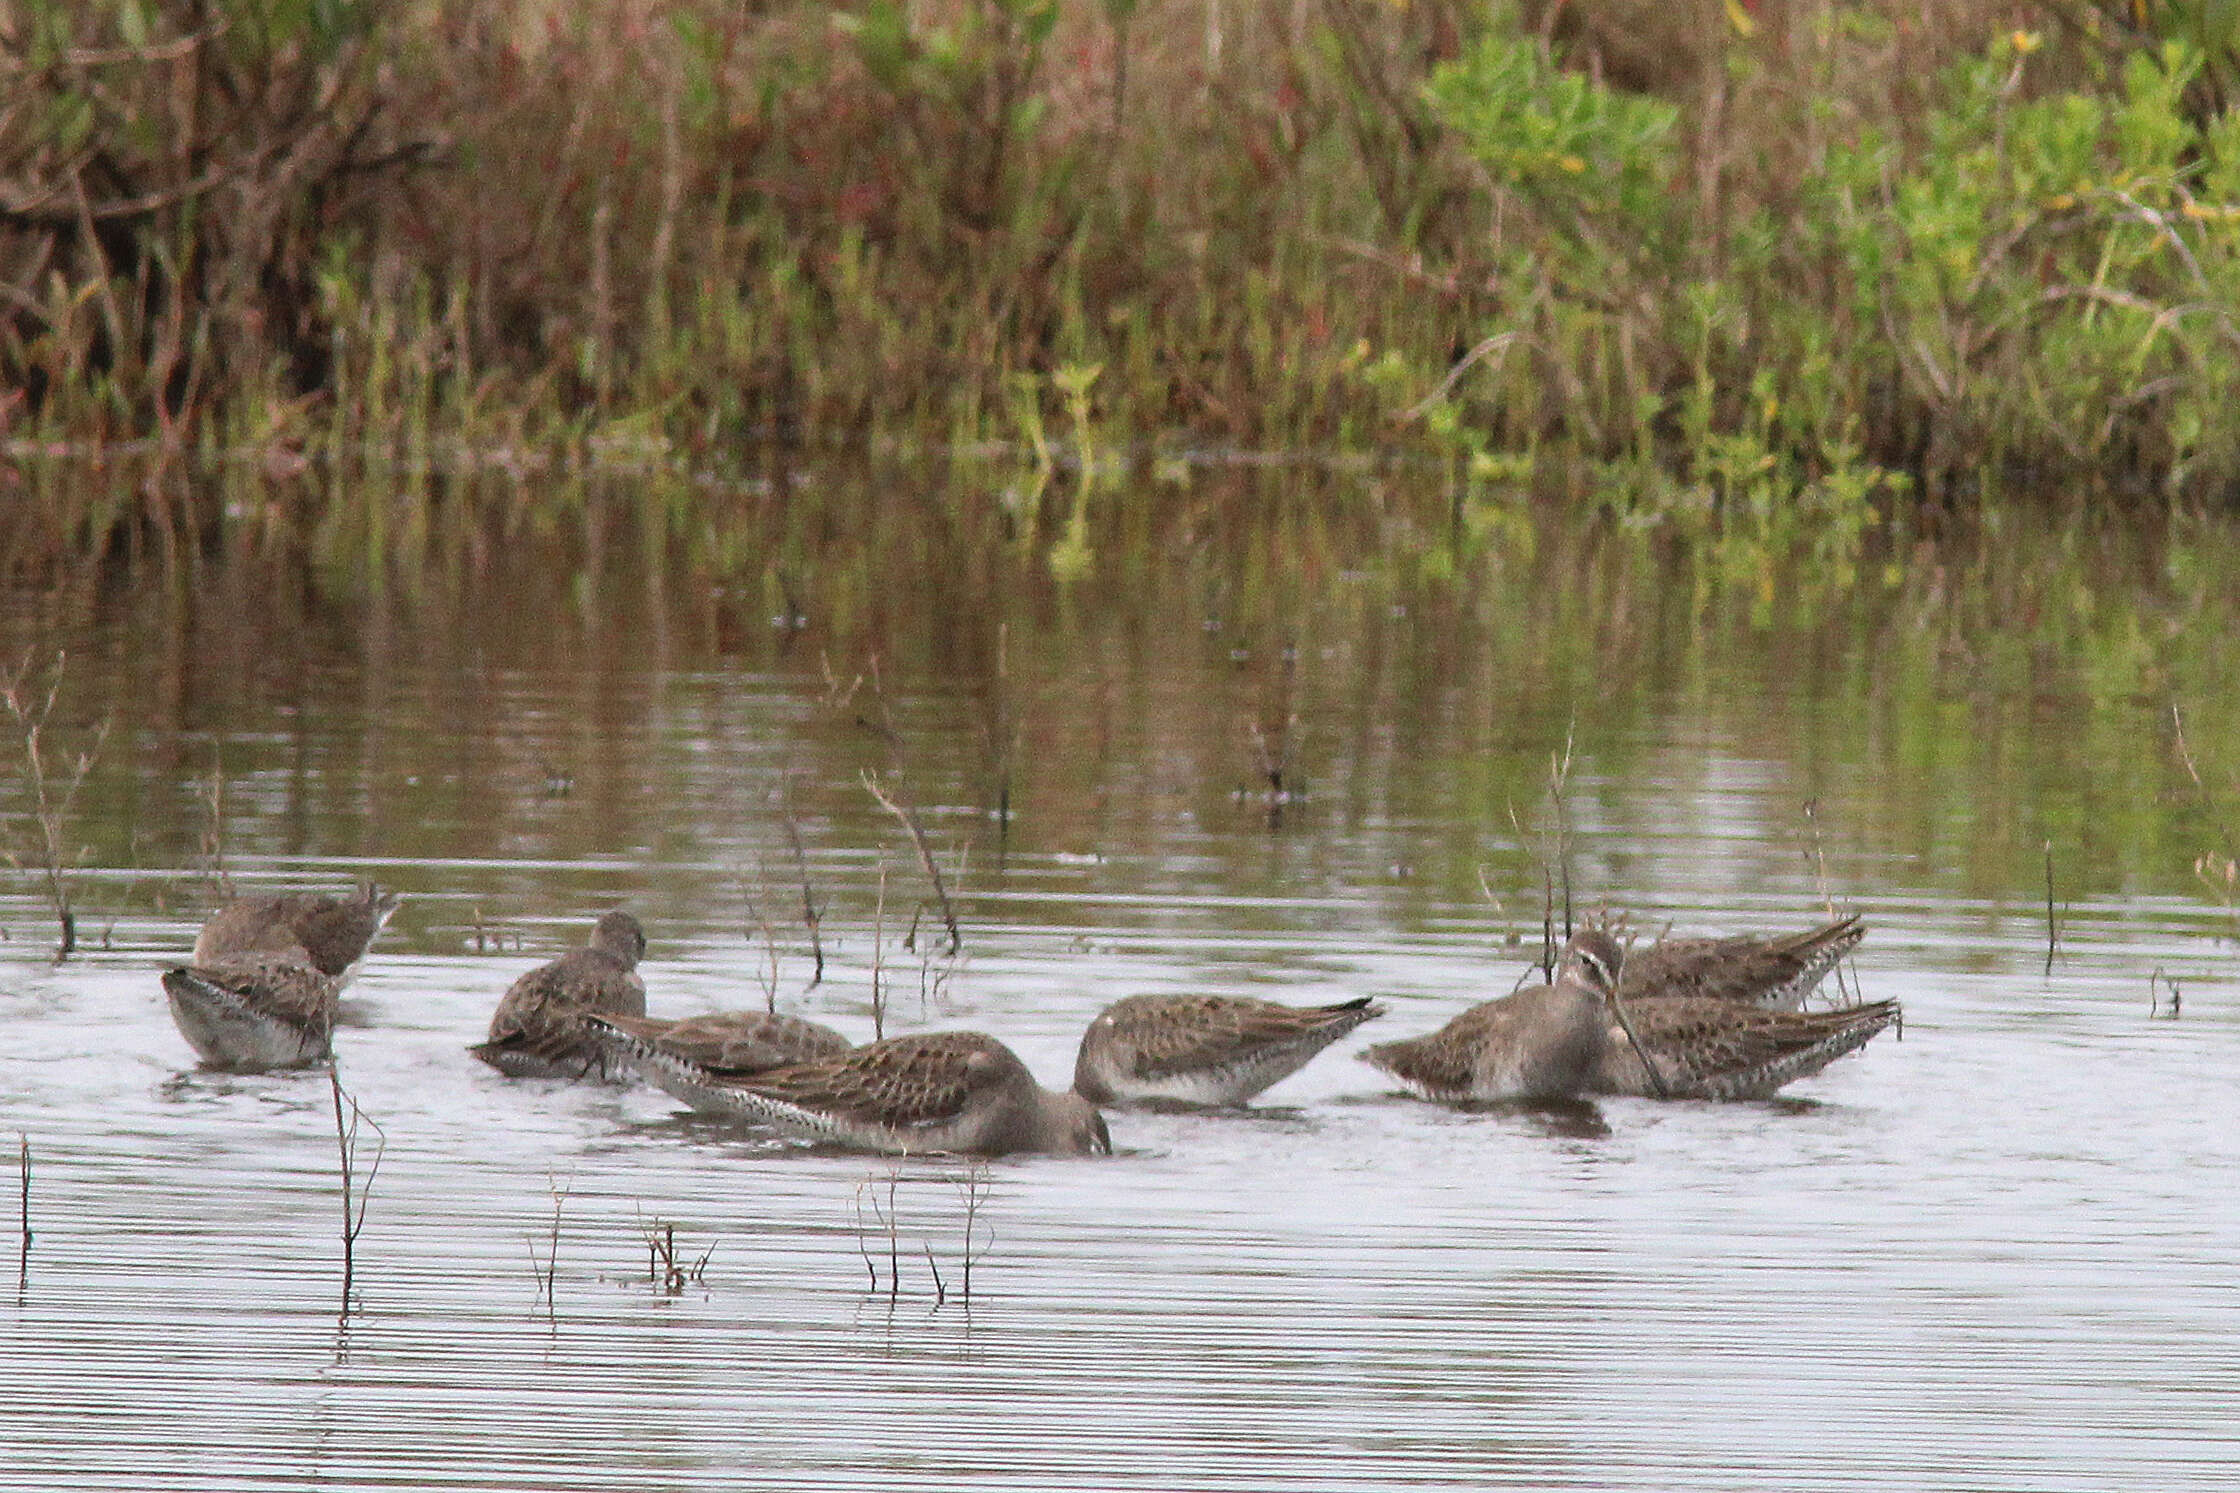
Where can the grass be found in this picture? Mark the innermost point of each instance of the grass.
(1782, 267)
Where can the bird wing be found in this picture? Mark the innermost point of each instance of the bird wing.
(1741, 967)
(553, 995)
(1170, 1035)
(284, 989)
(1710, 1041)
(1442, 1061)
(903, 1083)
(737, 1043)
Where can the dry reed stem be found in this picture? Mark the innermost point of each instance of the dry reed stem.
(978, 1185)
(811, 914)
(767, 975)
(214, 827)
(878, 956)
(51, 810)
(1006, 743)
(1559, 778)
(909, 818)
(1820, 882)
(940, 1286)
(668, 1271)
(1547, 964)
(547, 1269)
(2154, 1002)
(355, 1194)
(23, 1247)
(894, 1241)
(882, 1221)
(2219, 871)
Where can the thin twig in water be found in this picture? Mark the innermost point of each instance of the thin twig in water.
(882, 1221)
(940, 1287)
(1547, 964)
(811, 914)
(836, 694)
(1003, 735)
(2217, 870)
(2051, 927)
(883, 727)
(50, 808)
(894, 1240)
(547, 1269)
(1559, 776)
(214, 829)
(976, 1186)
(2154, 1002)
(1486, 887)
(863, 1233)
(930, 982)
(23, 1248)
(354, 1194)
(1820, 880)
(878, 957)
(668, 1272)
(769, 972)
(909, 818)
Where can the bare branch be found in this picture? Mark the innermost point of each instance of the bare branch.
(909, 818)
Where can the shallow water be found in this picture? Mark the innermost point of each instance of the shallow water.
(2002, 1252)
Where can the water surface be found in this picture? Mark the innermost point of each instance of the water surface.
(1999, 1253)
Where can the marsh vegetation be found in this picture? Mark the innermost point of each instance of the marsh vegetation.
(1777, 269)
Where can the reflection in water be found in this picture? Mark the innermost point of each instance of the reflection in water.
(1997, 1255)
(1560, 1119)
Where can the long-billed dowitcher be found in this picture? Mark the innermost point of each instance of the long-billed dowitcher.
(931, 1091)
(726, 1043)
(1776, 972)
(1709, 1048)
(250, 1013)
(331, 934)
(1542, 1043)
(1203, 1049)
(537, 1030)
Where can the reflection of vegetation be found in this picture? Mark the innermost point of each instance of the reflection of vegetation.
(1781, 265)
(1971, 693)
(2217, 869)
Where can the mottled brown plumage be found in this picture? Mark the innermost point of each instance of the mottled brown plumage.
(1204, 1049)
(330, 934)
(732, 1044)
(1542, 1043)
(1777, 972)
(251, 1013)
(1709, 1048)
(934, 1091)
(537, 1030)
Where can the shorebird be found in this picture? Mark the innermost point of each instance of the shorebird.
(251, 1013)
(537, 1030)
(932, 1091)
(1706, 1047)
(1542, 1043)
(728, 1044)
(330, 934)
(1203, 1049)
(1777, 972)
